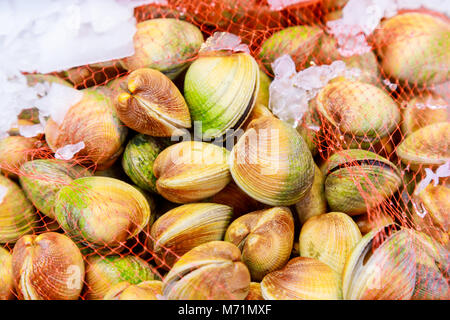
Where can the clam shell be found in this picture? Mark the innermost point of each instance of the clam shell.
(93, 121)
(17, 215)
(14, 151)
(254, 292)
(414, 47)
(211, 271)
(376, 221)
(333, 4)
(104, 272)
(329, 238)
(152, 104)
(302, 279)
(139, 157)
(361, 112)
(146, 290)
(42, 179)
(265, 239)
(186, 227)
(167, 45)
(387, 272)
(101, 211)
(426, 147)
(272, 163)
(314, 202)
(47, 267)
(190, 171)
(221, 92)
(6, 275)
(357, 180)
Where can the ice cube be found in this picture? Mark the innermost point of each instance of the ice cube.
(68, 151)
(224, 41)
(31, 130)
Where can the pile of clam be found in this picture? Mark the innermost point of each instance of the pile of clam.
(188, 187)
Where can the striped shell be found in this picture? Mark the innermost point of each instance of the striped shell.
(47, 267)
(329, 238)
(104, 272)
(101, 211)
(211, 271)
(150, 103)
(6, 275)
(186, 227)
(17, 215)
(146, 290)
(427, 147)
(356, 180)
(386, 272)
(221, 92)
(272, 163)
(265, 239)
(42, 179)
(190, 171)
(94, 122)
(302, 279)
(14, 151)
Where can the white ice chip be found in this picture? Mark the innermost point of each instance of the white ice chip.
(224, 41)
(31, 131)
(67, 152)
(3, 192)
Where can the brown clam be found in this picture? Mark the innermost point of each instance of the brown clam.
(47, 267)
(265, 239)
(14, 151)
(254, 292)
(367, 222)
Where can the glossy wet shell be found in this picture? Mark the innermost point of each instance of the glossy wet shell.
(186, 227)
(211, 271)
(426, 147)
(254, 292)
(146, 290)
(47, 267)
(104, 272)
(167, 45)
(302, 279)
(139, 157)
(14, 151)
(93, 120)
(6, 275)
(101, 211)
(265, 239)
(152, 104)
(17, 215)
(190, 171)
(272, 163)
(329, 238)
(356, 180)
(221, 92)
(42, 179)
(376, 221)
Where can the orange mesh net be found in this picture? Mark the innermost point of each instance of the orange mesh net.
(386, 187)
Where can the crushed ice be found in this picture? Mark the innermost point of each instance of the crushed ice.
(224, 41)
(390, 85)
(68, 151)
(31, 131)
(3, 192)
(276, 5)
(290, 92)
(442, 171)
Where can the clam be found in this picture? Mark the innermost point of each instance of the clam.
(101, 211)
(139, 157)
(17, 216)
(297, 41)
(6, 275)
(92, 121)
(329, 238)
(146, 290)
(186, 227)
(368, 222)
(211, 271)
(265, 239)
(302, 279)
(423, 110)
(190, 171)
(221, 91)
(360, 112)
(102, 273)
(357, 180)
(333, 4)
(14, 151)
(309, 128)
(427, 147)
(414, 47)
(47, 267)
(314, 202)
(254, 292)
(41, 180)
(167, 45)
(386, 272)
(272, 163)
(150, 103)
